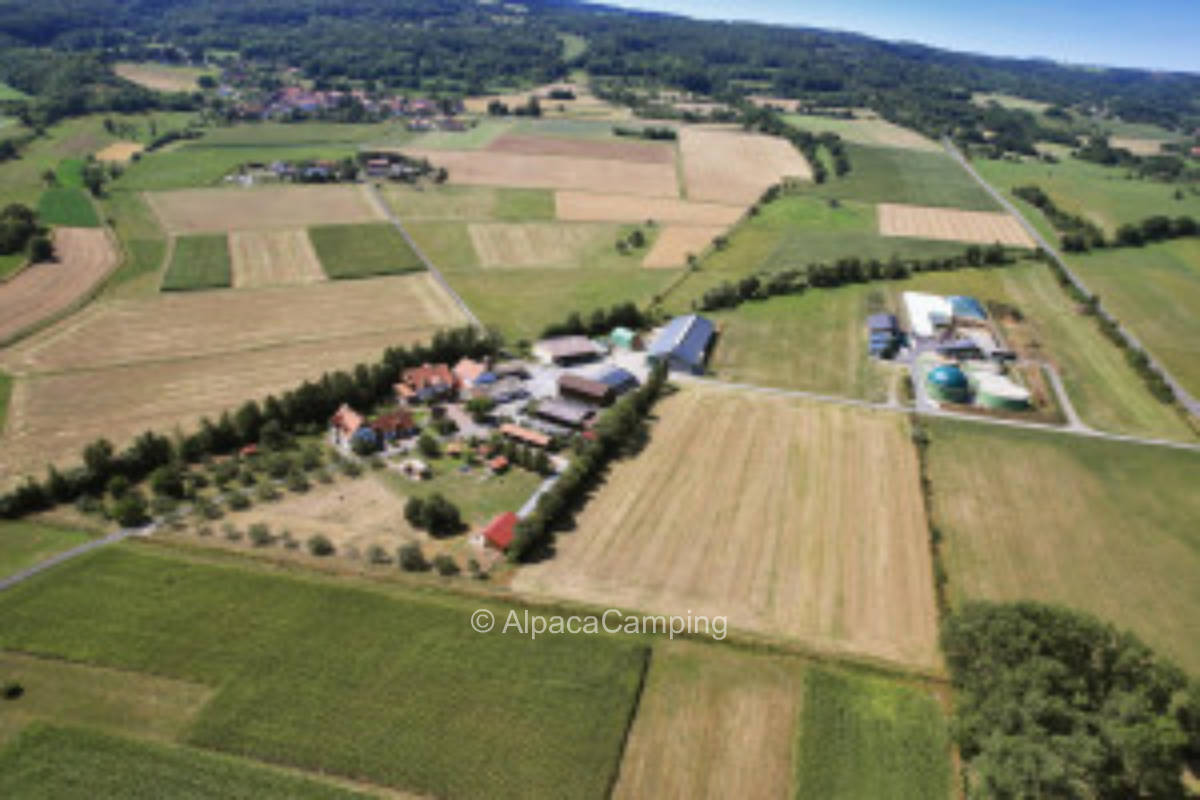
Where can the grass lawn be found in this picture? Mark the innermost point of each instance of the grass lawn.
(1155, 292)
(199, 262)
(23, 544)
(10, 263)
(478, 500)
(1105, 195)
(309, 673)
(362, 251)
(892, 175)
(61, 762)
(571, 128)
(865, 737)
(69, 206)
(1105, 527)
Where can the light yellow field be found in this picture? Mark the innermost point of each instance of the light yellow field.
(273, 258)
(713, 723)
(585, 104)
(676, 242)
(952, 225)
(119, 152)
(120, 368)
(818, 532)
(1139, 147)
(535, 244)
(216, 210)
(161, 77)
(722, 165)
(553, 172)
(595, 207)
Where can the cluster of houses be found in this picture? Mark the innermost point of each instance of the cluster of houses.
(290, 101)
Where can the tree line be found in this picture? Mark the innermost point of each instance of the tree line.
(769, 121)
(1080, 235)
(21, 233)
(599, 322)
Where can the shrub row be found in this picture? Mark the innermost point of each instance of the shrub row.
(767, 120)
(653, 132)
(599, 322)
(1081, 235)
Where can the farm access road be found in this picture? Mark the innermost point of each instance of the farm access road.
(74, 552)
(1182, 395)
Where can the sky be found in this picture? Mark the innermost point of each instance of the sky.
(1154, 34)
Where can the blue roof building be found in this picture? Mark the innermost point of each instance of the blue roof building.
(620, 380)
(882, 323)
(683, 344)
(967, 307)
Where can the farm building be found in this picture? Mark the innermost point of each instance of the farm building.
(498, 464)
(467, 372)
(962, 347)
(619, 380)
(499, 532)
(577, 387)
(883, 333)
(683, 344)
(567, 350)
(927, 313)
(967, 309)
(345, 423)
(394, 425)
(562, 412)
(506, 390)
(999, 393)
(524, 435)
(624, 338)
(426, 383)
(949, 384)
(510, 369)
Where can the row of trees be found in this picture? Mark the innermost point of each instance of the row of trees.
(1081, 235)
(599, 322)
(620, 429)
(1051, 702)
(652, 132)
(20, 232)
(768, 120)
(306, 408)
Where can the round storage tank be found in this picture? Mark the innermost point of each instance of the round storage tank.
(948, 383)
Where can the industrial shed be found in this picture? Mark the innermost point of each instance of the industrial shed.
(683, 344)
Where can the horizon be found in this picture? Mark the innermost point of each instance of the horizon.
(1023, 29)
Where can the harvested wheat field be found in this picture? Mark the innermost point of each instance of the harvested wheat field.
(596, 207)
(952, 225)
(161, 77)
(217, 210)
(676, 242)
(713, 723)
(85, 257)
(728, 166)
(641, 152)
(553, 172)
(1139, 147)
(273, 258)
(818, 534)
(173, 326)
(119, 152)
(537, 244)
(585, 103)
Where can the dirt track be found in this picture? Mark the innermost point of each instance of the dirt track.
(85, 257)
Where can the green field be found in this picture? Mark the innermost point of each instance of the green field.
(60, 762)
(11, 263)
(892, 175)
(9, 93)
(476, 138)
(1105, 527)
(573, 45)
(69, 206)
(393, 689)
(305, 135)
(863, 130)
(199, 262)
(1105, 195)
(363, 251)
(23, 544)
(865, 737)
(143, 240)
(469, 203)
(570, 128)
(199, 164)
(70, 172)
(1155, 292)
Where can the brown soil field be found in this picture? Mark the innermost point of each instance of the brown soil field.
(536, 244)
(713, 723)
(215, 210)
(675, 242)
(818, 533)
(170, 327)
(273, 258)
(952, 225)
(119, 152)
(619, 150)
(85, 257)
(554, 172)
(728, 166)
(596, 207)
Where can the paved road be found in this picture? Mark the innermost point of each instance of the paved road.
(25, 574)
(1181, 394)
(429, 265)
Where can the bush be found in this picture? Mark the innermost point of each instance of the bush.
(296, 482)
(320, 545)
(429, 446)
(411, 559)
(377, 555)
(435, 514)
(350, 469)
(445, 565)
(260, 534)
(13, 690)
(266, 492)
(231, 532)
(129, 510)
(237, 501)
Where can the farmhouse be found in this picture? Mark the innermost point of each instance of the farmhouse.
(567, 350)
(394, 425)
(577, 387)
(345, 423)
(498, 464)
(524, 435)
(883, 331)
(468, 372)
(562, 412)
(683, 344)
(426, 383)
(499, 532)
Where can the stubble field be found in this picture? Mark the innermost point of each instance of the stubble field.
(119, 152)
(596, 207)
(635, 151)
(537, 244)
(952, 225)
(676, 242)
(729, 166)
(818, 533)
(217, 210)
(273, 258)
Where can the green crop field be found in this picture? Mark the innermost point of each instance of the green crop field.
(67, 206)
(23, 544)
(49, 761)
(1105, 195)
(143, 240)
(892, 175)
(199, 262)
(306, 135)
(1155, 292)
(362, 251)
(70, 172)
(865, 737)
(342, 680)
(571, 128)
(1106, 527)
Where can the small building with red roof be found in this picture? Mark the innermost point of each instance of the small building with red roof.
(426, 383)
(500, 531)
(345, 422)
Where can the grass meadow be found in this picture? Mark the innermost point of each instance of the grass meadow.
(10, 93)
(67, 205)
(1106, 527)
(54, 761)
(143, 240)
(457, 203)
(866, 737)
(199, 262)
(11, 263)
(363, 251)
(23, 544)
(343, 680)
